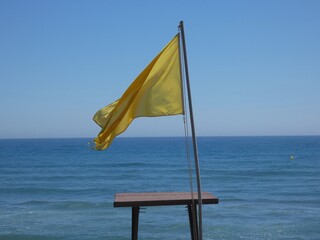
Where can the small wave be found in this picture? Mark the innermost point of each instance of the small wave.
(81, 205)
(26, 237)
(33, 202)
(65, 205)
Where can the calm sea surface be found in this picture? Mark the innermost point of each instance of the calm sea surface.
(268, 187)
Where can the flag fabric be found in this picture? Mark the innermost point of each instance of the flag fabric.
(157, 91)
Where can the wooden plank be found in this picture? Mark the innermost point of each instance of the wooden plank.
(160, 199)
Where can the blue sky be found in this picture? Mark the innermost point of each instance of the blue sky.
(254, 65)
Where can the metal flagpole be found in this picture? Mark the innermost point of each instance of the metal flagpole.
(195, 147)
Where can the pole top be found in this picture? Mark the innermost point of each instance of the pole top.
(181, 24)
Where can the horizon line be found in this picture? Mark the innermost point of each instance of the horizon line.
(202, 136)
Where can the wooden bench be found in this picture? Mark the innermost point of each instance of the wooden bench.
(137, 200)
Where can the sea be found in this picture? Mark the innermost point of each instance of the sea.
(61, 189)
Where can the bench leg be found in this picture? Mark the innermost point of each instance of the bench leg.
(135, 223)
(192, 210)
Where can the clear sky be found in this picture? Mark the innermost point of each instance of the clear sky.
(254, 65)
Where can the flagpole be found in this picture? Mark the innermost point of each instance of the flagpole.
(194, 141)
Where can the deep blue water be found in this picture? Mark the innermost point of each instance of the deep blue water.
(61, 189)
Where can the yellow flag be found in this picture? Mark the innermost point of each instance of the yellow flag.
(157, 91)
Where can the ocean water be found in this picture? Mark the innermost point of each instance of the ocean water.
(268, 188)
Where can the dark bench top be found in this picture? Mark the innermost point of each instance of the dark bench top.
(161, 199)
